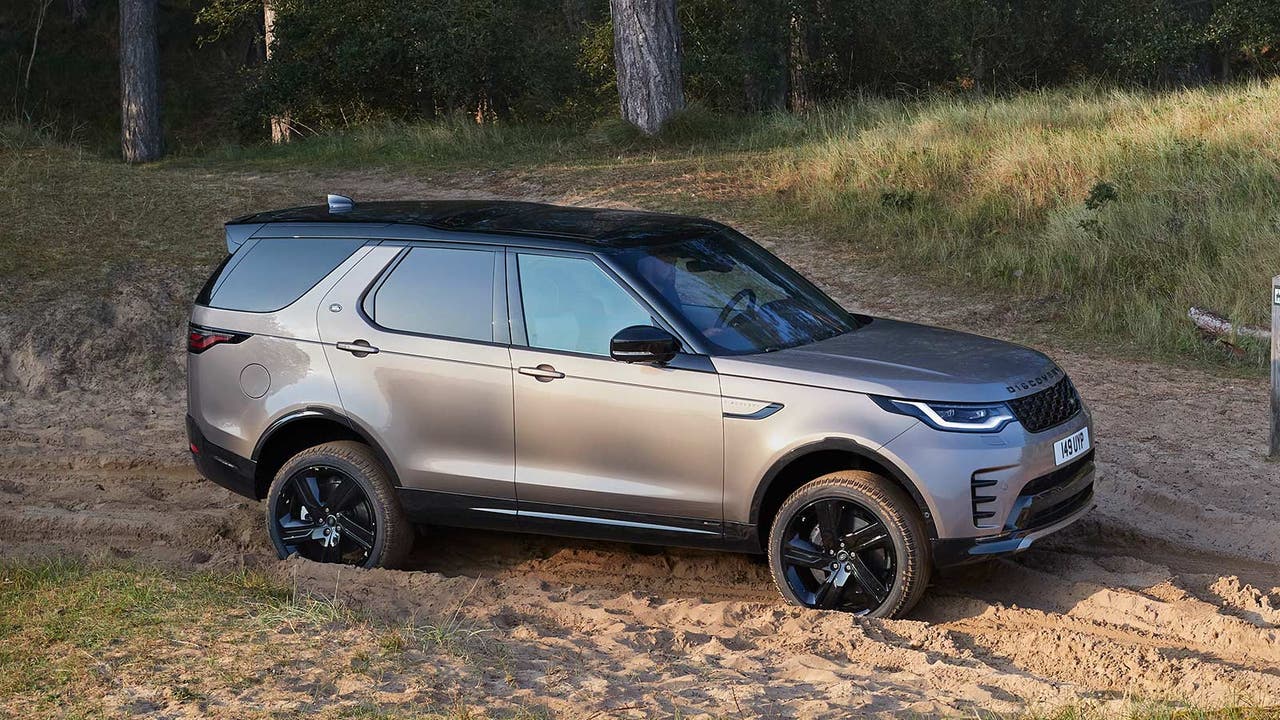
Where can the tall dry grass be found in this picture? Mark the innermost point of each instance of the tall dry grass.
(1121, 208)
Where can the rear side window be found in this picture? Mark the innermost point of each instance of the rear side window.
(438, 291)
(275, 272)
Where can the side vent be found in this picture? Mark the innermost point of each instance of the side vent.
(339, 203)
(983, 501)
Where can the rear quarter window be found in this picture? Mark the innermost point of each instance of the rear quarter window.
(274, 273)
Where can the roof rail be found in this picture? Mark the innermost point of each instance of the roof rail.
(340, 203)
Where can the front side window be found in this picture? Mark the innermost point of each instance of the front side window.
(438, 291)
(571, 304)
(740, 298)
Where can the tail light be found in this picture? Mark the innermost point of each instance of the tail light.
(200, 339)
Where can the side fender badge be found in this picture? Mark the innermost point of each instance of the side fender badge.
(744, 409)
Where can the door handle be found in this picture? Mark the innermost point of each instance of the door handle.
(359, 348)
(542, 373)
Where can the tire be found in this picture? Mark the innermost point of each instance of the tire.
(335, 503)
(883, 575)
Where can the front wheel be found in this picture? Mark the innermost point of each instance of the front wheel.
(850, 541)
(335, 503)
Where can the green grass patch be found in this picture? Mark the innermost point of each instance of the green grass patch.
(90, 639)
(1163, 711)
(63, 625)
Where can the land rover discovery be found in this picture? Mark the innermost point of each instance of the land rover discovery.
(615, 375)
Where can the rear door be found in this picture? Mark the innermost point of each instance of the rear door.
(603, 445)
(416, 336)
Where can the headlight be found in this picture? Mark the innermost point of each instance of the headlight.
(952, 417)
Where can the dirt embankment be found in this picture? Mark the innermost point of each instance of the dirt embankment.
(1170, 590)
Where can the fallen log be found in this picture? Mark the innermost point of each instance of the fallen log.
(1214, 324)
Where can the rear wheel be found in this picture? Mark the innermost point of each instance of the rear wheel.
(335, 503)
(850, 541)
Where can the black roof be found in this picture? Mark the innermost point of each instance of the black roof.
(595, 226)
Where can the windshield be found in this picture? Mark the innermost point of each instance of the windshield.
(739, 297)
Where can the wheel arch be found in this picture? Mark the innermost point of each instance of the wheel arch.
(811, 460)
(298, 430)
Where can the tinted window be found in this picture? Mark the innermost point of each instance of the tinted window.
(276, 272)
(438, 291)
(571, 304)
(738, 296)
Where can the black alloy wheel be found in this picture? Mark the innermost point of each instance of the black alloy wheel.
(837, 555)
(336, 503)
(850, 541)
(324, 515)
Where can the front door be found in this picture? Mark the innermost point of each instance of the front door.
(421, 361)
(602, 444)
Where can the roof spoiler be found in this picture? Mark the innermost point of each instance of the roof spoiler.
(237, 234)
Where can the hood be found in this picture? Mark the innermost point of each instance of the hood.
(905, 360)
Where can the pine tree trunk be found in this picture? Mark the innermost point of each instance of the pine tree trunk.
(279, 123)
(141, 138)
(798, 59)
(646, 51)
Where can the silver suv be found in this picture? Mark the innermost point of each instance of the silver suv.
(615, 375)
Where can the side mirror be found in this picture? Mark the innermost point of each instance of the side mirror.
(643, 344)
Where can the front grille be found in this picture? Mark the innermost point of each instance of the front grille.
(1041, 517)
(1048, 408)
(1053, 496)
(1061, 476)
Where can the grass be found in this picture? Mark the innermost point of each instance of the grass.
(453, 632)
(1161, 711)
(1124, 209)
(69, 631)
(1113, 211)
(85, 640)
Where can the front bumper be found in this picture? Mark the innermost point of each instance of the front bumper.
(1043, 514)
(221, 466)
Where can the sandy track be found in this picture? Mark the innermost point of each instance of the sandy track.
(1103, 614)
(1170, 590)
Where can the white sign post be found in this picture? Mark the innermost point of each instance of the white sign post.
(1275, 367)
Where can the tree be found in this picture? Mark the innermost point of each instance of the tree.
(647, 54)
(279, 123)
(140, 134)
(801, 55)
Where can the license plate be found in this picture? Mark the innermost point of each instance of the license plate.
(1071, 446)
